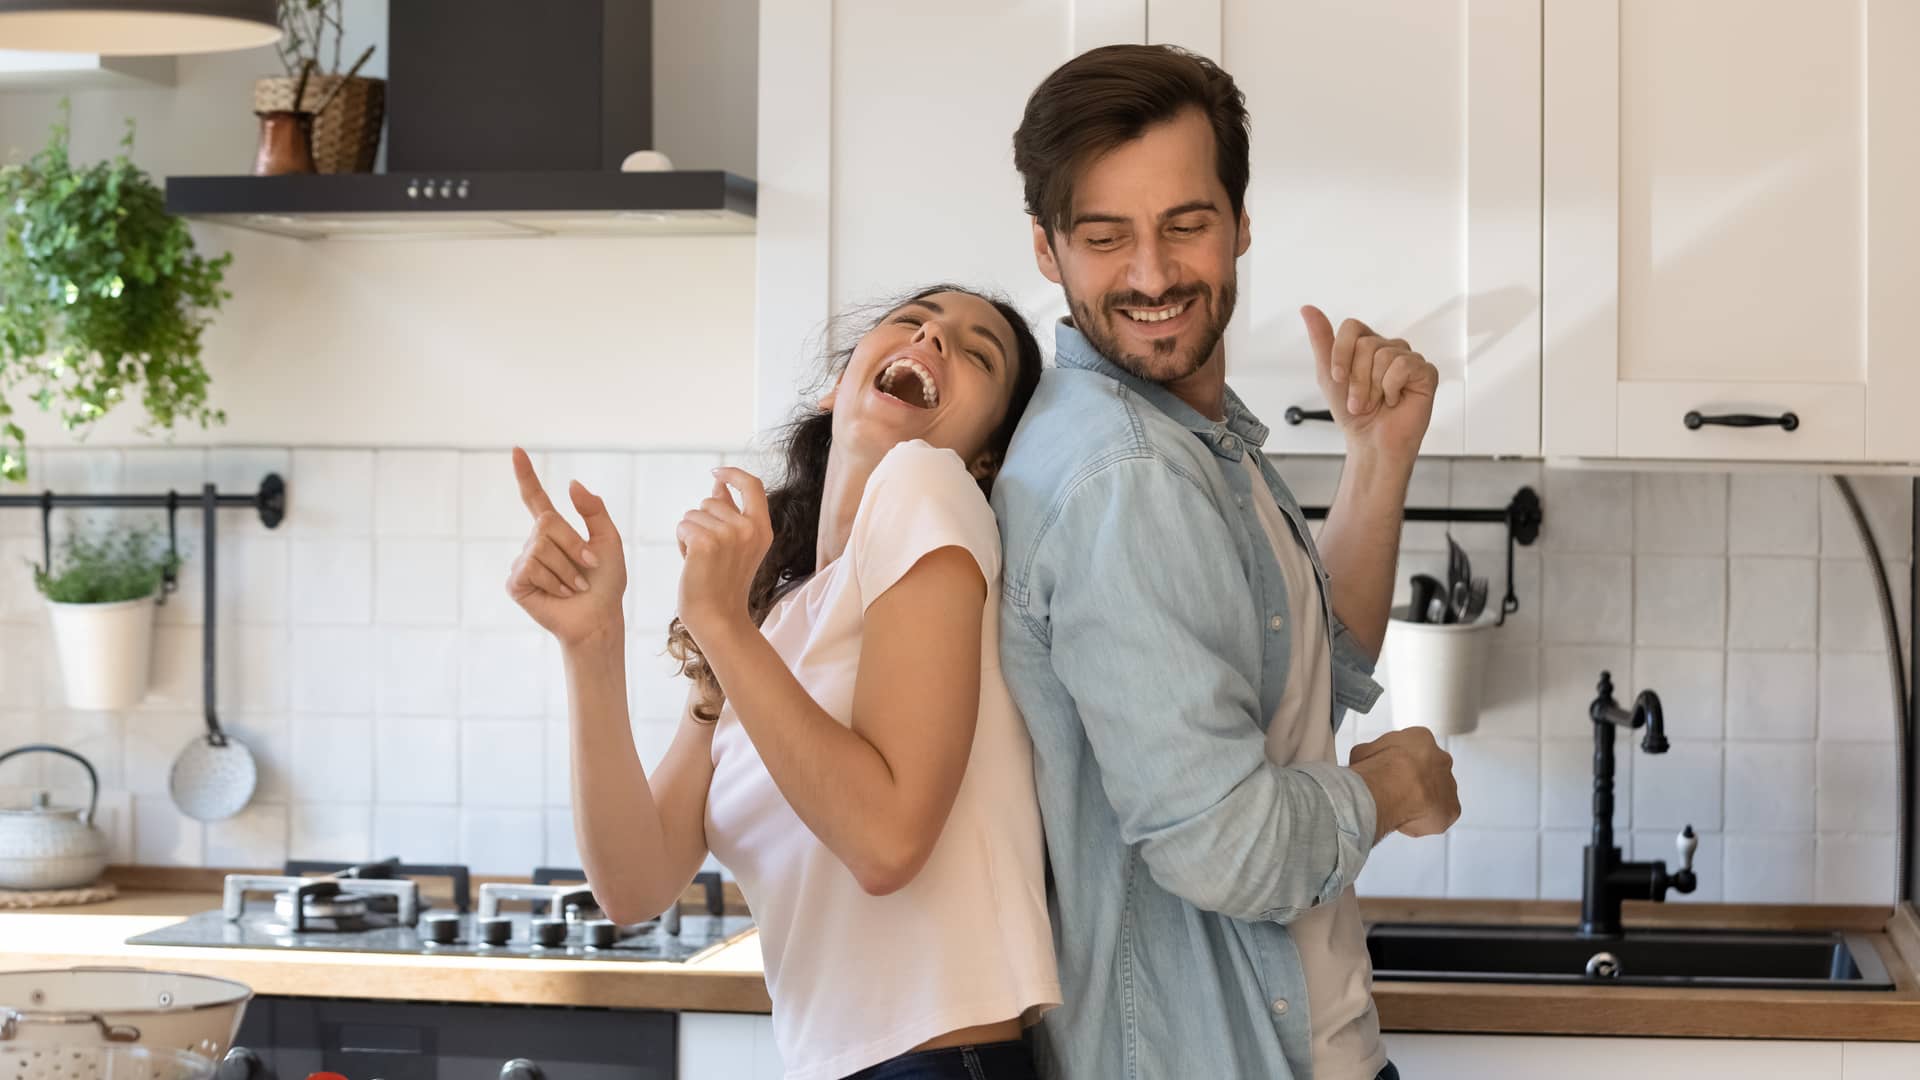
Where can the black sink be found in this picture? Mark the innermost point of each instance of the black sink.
(1758, 960)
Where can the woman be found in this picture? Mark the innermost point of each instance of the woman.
(848, 748)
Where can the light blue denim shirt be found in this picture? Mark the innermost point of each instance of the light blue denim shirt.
(1144, 634)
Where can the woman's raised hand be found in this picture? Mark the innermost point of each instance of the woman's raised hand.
(723, 543)
(570, 586)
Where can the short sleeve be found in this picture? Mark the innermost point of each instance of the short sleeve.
(920, 499)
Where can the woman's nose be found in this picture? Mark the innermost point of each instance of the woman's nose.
(932, 333)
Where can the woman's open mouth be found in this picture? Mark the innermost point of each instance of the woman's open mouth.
(908, 381)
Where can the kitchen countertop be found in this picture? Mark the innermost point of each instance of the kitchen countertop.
(725, 979)
(728, 978)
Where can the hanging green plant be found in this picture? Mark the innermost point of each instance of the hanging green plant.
(102, 295)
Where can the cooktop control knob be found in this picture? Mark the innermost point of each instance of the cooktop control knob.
(549, 933)
(440, 929)
(496, 930)
(601, 933)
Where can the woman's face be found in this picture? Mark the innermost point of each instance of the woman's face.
(940, 368)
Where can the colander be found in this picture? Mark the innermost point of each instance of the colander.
(101, 1063)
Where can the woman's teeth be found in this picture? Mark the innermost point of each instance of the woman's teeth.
(891, 382)
(1156, 314)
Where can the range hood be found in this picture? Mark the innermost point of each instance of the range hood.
(497, 125)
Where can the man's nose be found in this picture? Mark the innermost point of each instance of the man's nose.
(1150, 271)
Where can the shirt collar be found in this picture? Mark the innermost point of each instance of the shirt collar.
(1241, 431)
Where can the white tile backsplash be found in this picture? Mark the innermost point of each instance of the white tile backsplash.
(502, 841)
(417, 582)
(1856, 788)
(1770, 787)
(1774, 514)
(1679, 600)
(1677, 513)
(1588, 510)
(330, 491)
(1679, 787)
(1690, 685)
(332, 581)
(1771, 695)
(396, 701)
(1769, 868)
(416, 760)
(1772, 603)
(1856, 698)
(333, 669)
(1497, 863)
(416, 493)
(1854, 868)
(1587, 600)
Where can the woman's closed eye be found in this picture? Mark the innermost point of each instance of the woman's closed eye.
(985, 362)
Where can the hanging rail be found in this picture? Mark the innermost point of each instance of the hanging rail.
(270, 501)
(1522, 517)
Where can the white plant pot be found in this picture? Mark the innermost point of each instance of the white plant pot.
(106, 651)
(1434, 673)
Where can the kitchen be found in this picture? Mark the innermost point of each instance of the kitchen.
(398, 706)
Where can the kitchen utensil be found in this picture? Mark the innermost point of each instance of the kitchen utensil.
(51, 847)
(286, 143)
(1476, 600)
(98, 1006)
(214, 776)
(1435, 674)
(102, 1063)
(1424, 589)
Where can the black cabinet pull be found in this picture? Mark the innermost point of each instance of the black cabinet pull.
(1296, 415)
(1785, 421)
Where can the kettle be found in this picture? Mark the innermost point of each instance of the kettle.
(51, 847)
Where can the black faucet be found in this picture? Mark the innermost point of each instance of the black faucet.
(1609, 878)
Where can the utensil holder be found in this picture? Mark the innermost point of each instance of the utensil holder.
(1435, 673)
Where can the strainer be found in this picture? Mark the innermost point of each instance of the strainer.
(101, 1063)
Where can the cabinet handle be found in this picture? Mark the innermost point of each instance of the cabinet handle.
(1296, 415)
(1785, 421)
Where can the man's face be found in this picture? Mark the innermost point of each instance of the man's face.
(1147, 257)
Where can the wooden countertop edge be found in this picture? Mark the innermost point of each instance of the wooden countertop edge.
(669, 987)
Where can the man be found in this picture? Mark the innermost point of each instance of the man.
(1181, 650)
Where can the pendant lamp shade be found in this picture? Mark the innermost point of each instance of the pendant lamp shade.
(137, 27)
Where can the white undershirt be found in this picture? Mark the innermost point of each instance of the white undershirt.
(1331, 939)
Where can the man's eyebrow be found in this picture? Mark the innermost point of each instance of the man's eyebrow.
(1097, 218)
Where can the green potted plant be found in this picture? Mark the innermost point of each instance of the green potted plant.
(102, 295)
(346, 132)
(101, 597)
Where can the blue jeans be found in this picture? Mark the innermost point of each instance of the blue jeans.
(987, 1061)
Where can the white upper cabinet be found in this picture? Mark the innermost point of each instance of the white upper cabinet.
(1396, 179)
(1732, 229)
(886, 159)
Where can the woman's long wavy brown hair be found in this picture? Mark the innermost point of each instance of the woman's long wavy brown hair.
(794, 501)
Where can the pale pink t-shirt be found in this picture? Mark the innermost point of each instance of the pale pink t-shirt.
(1331, 939)
(857, 979)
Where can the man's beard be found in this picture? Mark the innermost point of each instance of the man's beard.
(1166, 362)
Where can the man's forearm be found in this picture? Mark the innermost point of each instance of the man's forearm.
(1360, 544)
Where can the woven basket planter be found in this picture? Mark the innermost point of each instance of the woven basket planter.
(346, 138)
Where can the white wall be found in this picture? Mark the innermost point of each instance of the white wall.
(580, 343)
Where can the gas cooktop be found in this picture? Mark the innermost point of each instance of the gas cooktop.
(380, 908)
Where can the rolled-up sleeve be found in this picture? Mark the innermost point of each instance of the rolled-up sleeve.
(1353, 684)
(1147, 629)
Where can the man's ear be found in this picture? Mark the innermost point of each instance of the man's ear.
(1043, 253)
(1246, 234)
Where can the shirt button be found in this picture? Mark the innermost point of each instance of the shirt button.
(1276, 622)
(1229, 443)
(1279, 1006)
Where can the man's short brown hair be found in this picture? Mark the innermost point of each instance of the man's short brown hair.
(1108, 96)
